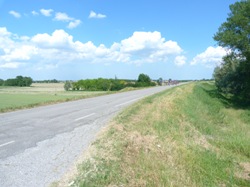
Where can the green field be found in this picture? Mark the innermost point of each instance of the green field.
(12, 98)
(187, 136)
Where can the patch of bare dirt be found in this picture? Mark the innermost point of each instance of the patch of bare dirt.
(245, 173)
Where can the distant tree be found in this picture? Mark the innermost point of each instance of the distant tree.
(159, 81)
(143, 78)
(1, 82)
(67, 85)
(10, 82)
(47, 81)
(233, 76)
(99, 84)
(27, 81)
(103, 84)
(19, 81)
(144, 81)
(75, 86)
(53, 81)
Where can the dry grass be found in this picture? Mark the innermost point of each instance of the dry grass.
(165, 140)
(35, 88)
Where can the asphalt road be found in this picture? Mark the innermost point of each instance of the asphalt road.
(37, 146)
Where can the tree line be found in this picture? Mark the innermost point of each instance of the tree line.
(101, 84)
(18, 81)
(47, 81)
(233, 75)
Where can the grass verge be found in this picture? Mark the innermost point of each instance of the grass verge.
(186, 136)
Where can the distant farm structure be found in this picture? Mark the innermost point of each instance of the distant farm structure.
(169, 82)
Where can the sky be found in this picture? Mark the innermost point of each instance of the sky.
(85, 39)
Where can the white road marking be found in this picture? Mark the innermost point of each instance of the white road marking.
(78, 119)
(128, 102)
(7, 143)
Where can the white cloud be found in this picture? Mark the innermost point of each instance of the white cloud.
(92, 14)
(11, 65)
(74, 24)
(149, 47)
(211, 57)
(151, 41)
(6, 41)
(60, 47)
(180, 60)
(46, 12)
(15, 50)
(24, 38)
(15, 14)
(62, 17)
(4, 32)
(59, 39)
(34, 13)
(21, 53)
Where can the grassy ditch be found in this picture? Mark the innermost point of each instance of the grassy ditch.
(186, 136)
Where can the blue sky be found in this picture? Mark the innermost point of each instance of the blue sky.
(80, 39)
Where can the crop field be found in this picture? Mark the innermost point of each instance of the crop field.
(12, 98)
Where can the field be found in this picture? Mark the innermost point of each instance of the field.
(187, 136)
(12, 98)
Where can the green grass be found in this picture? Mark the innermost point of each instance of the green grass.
(187, 136)
(15, 101)
(13, 98)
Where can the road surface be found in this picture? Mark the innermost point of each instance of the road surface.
(37, 146)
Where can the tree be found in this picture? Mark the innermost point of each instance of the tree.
(67, 85)
(143, 78)
(144, 81)
(234, 33)
(19, 81)
(228, 78)
(160, 81)
(27, 81)
(1, 82)
(233, 76)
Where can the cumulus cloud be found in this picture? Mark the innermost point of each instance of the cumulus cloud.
(6, 39)
(62, 17)
(180, 60)
(16, 50)
(4, 32)
(15, 14)
(21, 53)
(149, 47)
(74, 24)
(60, 47)
(24, 38)
(34, 13)
(92, 14)
(151, 41)
(46, 12)
(211, 57)
(10, 65)
(58, 39)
